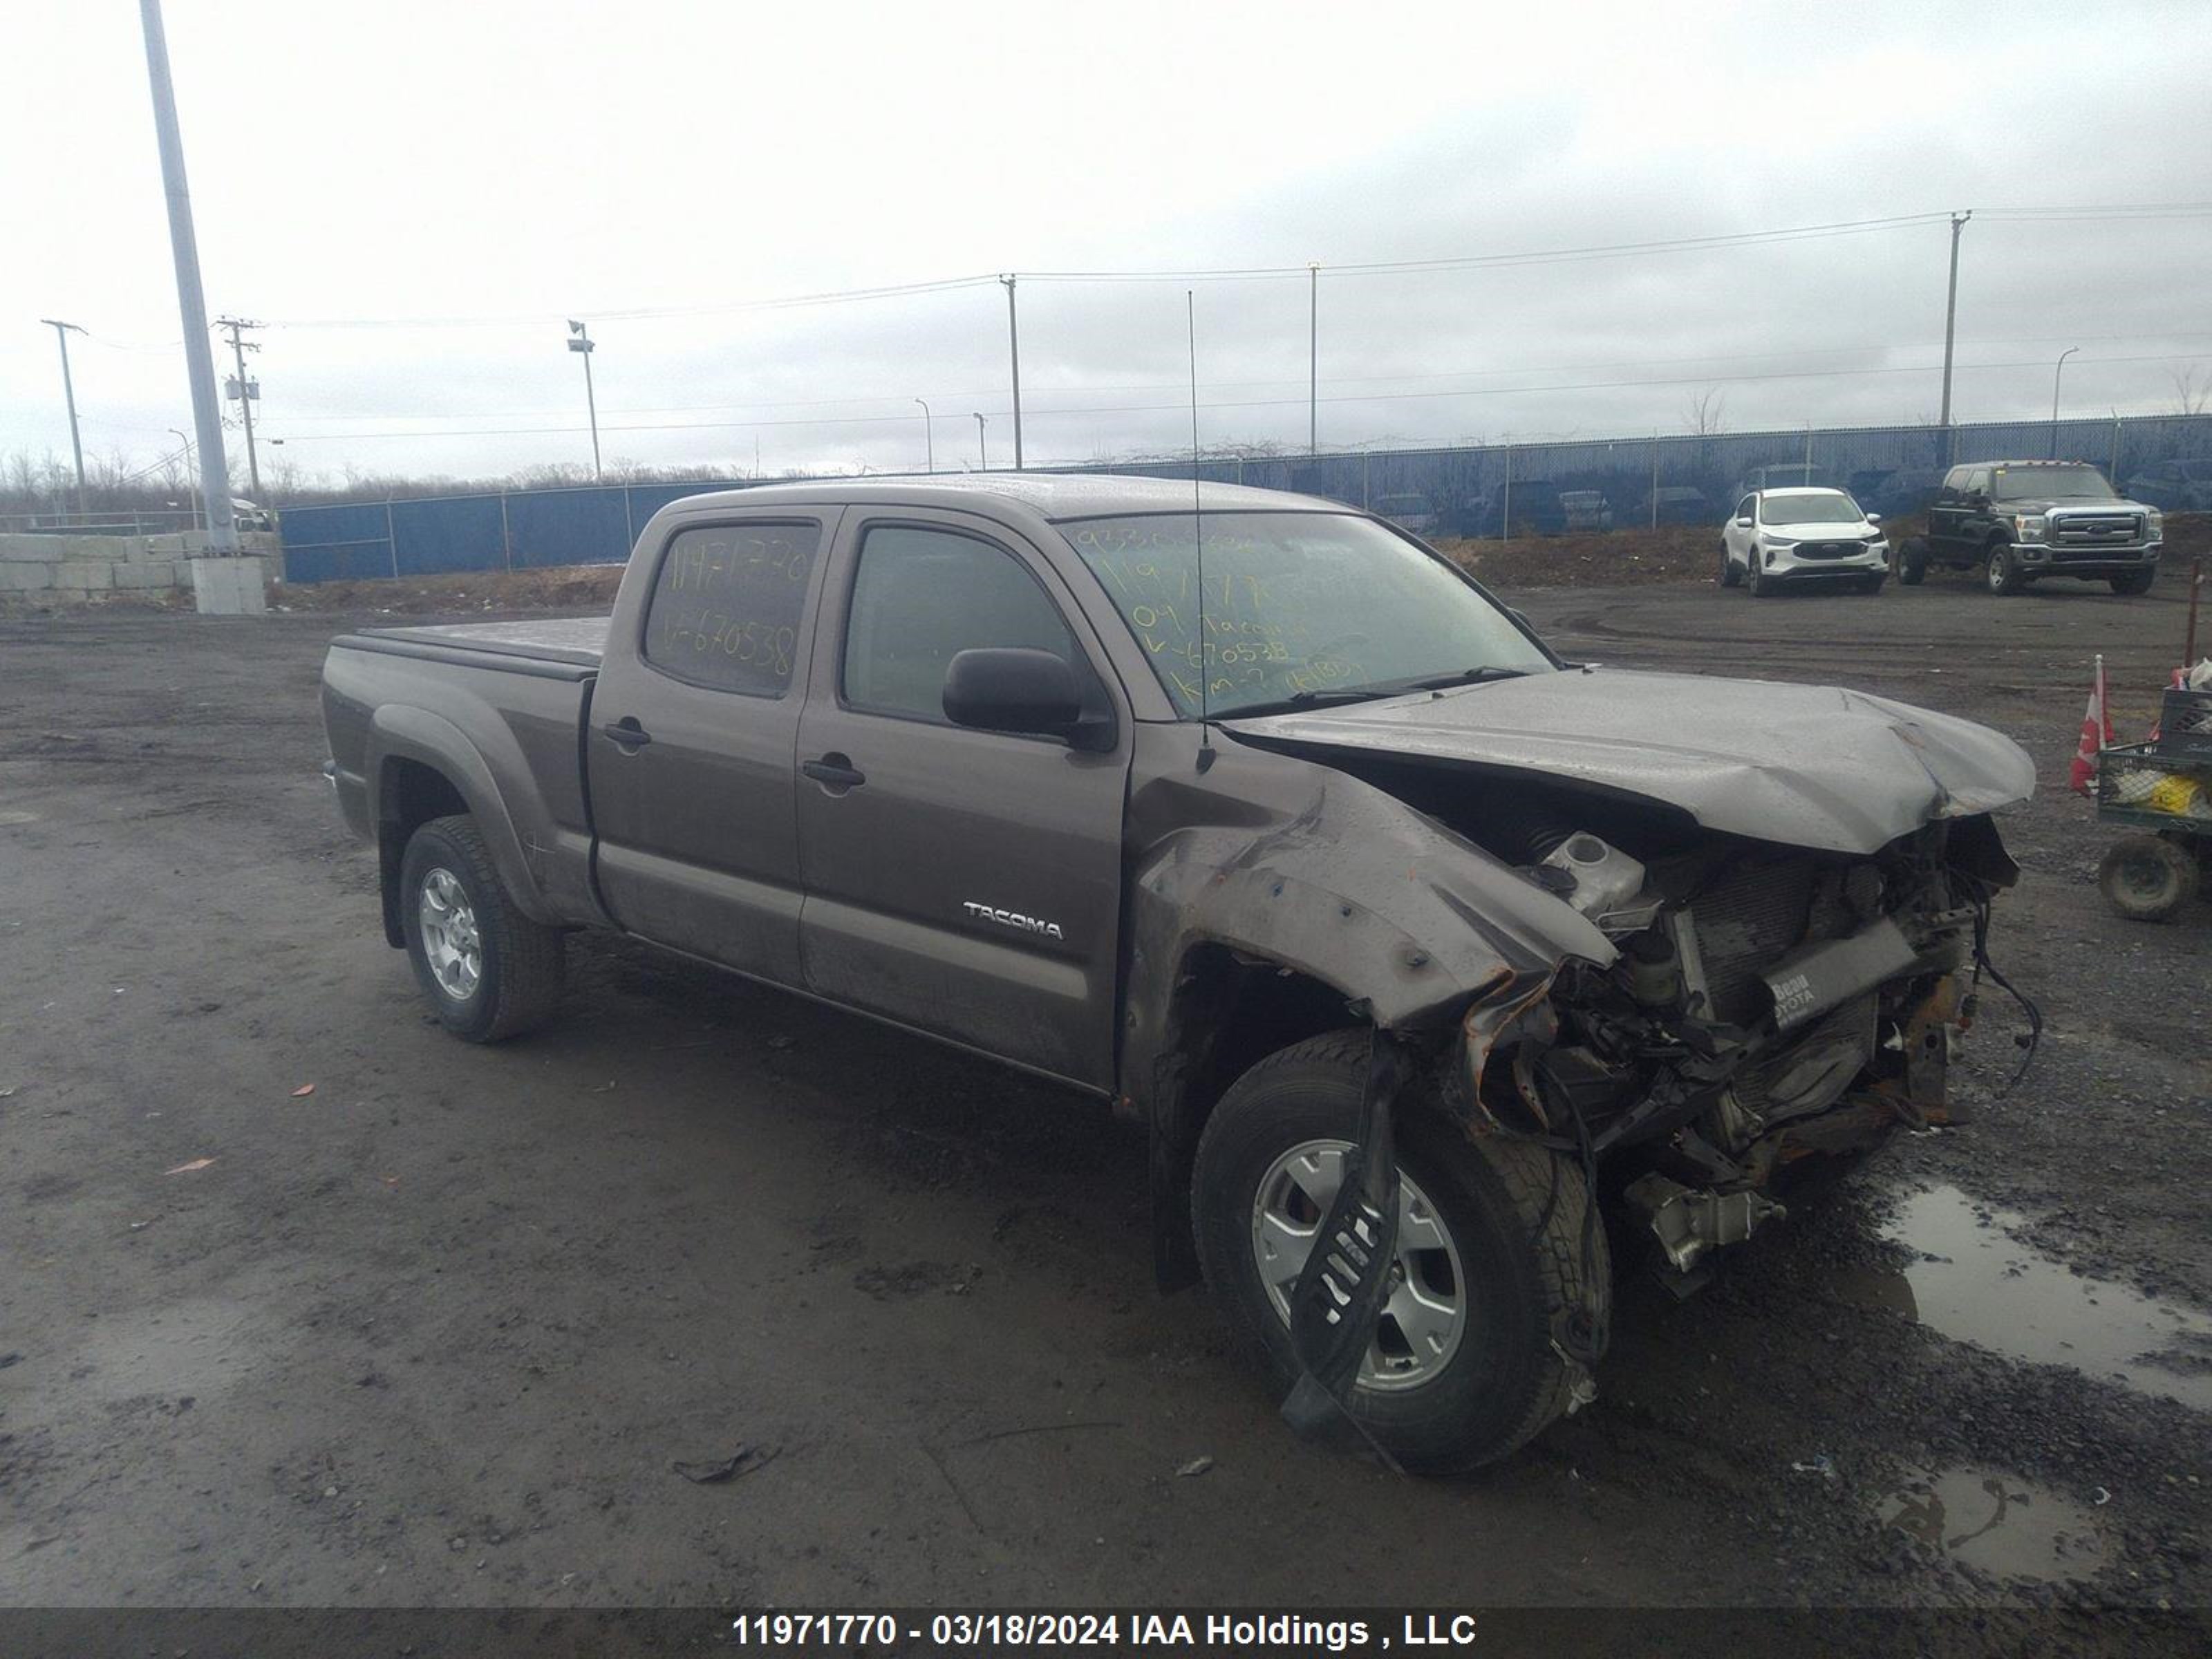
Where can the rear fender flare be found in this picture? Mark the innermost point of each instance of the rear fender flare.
(397, 732)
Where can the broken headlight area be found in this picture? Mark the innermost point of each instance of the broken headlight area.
(1765, 1004)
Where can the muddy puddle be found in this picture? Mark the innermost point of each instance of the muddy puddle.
(1972, 1279)
(1996, 1523)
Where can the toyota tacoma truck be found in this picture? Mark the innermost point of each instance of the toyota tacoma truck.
(2021, 521)
(1435, 968)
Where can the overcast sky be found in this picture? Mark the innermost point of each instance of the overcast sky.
(363, 173)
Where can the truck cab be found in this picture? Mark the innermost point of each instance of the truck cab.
(2019, 522)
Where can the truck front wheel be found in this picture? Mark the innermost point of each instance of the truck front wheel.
(1496, 1275)
(1909, 561)
(2134, 582)
(2004, 573)
(488, 970)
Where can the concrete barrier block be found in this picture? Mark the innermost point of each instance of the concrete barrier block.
(229, 587)
(16, 577)
(141, 576)
(91, 574)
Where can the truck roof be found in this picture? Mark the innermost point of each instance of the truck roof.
(1050, 496)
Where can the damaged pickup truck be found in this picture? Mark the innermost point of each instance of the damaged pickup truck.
(1413, 948)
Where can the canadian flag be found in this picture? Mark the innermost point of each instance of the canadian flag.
(2096, 732)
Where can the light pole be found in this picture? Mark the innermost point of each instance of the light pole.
(579, 339)
(192, 303)
(982, 449)
(928, 433)
(2057, 375)
(1950, 327)
(62, 331)
(1313, 359)
(191, 495)
(1014, 353)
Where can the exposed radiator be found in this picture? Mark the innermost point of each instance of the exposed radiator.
(1755, 913)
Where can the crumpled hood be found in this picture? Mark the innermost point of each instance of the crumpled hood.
(1806, 766)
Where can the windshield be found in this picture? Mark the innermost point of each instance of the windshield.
(2052, 483)
(1811, 507)
(1300, 607)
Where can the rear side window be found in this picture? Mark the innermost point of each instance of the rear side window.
(726, 603)
(920, 597)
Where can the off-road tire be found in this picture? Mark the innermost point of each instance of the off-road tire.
(1911, 562)
(1730, 576)
(2131, 583)
(523, 962)
(1515, 1212)
(2148, 878)
(2003, 574)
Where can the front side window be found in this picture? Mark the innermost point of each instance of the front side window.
(1299, 607)
(726, 603)
(920, 597)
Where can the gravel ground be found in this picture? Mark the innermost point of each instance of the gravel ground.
(437, 1334)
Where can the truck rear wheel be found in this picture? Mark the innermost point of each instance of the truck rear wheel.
(2148, 878)
(488, 970)
(1493, 1266)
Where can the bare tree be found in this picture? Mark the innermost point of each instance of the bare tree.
(2190, 397)
(1704, 414)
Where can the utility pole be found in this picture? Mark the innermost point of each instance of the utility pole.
(982, 449)
(191, 304)
(1014, 348)
(928, 433)
(1313, 359)
(1951, 327)
(579, 339)
(246, 392)
(62, 331)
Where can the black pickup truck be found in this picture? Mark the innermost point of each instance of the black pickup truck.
(2021, 521)
(1403, 939)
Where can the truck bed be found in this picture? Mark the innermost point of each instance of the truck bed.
(574, 643)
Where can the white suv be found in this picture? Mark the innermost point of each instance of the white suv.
(1806, 537)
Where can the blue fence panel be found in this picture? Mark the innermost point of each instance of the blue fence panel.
(567, 527)
(646, 499)
(1481, 490)
(436, 537)
(349, 543)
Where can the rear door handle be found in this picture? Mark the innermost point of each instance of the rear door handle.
(833, 769)
(627, 734)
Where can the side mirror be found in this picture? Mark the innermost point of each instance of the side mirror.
(1744, 519)
(1015, 689)
(1873, 518)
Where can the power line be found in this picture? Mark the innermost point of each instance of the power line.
(1092, 390)
(1302, 272)
(1248, 403)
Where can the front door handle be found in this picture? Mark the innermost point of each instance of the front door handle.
(833, 769)
(627, 734)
